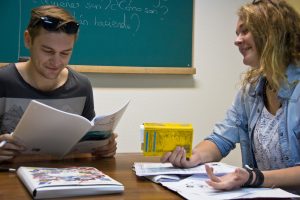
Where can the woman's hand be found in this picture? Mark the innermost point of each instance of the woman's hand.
(229, 181)
(178, 158)
(205, 151)
(108, 150)
(11, 147)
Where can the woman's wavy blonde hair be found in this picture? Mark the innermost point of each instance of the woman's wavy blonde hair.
(275, 27)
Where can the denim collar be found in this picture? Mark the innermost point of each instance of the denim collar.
(286, 90)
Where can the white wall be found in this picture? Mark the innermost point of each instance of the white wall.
(200, 99)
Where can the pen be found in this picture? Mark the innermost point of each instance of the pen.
(2, 143)
(7, 169)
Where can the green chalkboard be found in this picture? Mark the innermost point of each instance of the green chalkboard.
(114, 33)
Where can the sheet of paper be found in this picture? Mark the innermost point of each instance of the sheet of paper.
(146, 169)
(195, 187)
(164, 178)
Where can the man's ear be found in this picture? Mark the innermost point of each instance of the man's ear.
(27, 39)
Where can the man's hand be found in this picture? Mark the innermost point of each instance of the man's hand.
(11, 148)
(108, 150)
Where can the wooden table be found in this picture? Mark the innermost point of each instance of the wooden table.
(119, 168)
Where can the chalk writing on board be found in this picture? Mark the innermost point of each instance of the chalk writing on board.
(114, 33)
(125, 15)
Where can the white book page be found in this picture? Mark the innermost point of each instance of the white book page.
(195, 187)
(46, 130)
(108, 122)
(98, 135)
(146, 169)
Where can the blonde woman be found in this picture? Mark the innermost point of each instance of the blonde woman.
(265, 115)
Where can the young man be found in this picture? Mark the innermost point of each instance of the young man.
(50, 38)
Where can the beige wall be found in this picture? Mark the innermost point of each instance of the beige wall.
(201, 99)
(295, 4)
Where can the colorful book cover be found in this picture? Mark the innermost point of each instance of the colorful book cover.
(44, 182)
(43, 177)
(159, 138)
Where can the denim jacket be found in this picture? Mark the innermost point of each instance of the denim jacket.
(242, 116)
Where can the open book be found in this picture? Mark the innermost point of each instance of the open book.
(190, 183)
(153, 169)
(166, 172)
(66, 182)
(46, 130)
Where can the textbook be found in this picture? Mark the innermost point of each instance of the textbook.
(190, 183)
(157, 168)
(46, 130)
(158, 138)
(45, 183)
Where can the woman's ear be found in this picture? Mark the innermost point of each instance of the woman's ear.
(27, 39)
